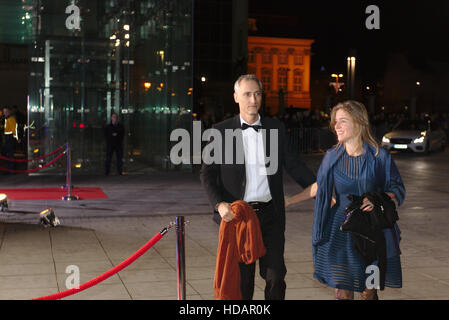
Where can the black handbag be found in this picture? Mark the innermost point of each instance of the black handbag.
(384, 214)
(366, 227)
(356, 221)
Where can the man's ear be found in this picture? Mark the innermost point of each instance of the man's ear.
(236, 97)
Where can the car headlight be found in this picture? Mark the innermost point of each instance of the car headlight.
(419, 140)
(385, 140)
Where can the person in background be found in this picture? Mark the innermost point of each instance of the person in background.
(2, 128)
(10, 136)
(21, 122)
(114, 134)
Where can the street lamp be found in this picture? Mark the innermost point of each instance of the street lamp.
(351, 74)
(413, 100)
(336, 84)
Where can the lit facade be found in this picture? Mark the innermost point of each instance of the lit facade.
(283, 66)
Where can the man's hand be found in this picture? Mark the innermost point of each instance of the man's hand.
(225, 211)
(287, 201)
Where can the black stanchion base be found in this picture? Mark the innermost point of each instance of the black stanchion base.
(70, 198)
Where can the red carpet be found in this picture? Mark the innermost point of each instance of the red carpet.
(52, 193)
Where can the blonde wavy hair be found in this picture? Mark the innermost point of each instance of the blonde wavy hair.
(359, 115)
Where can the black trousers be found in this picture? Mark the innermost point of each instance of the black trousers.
(8, 149)
(110, 149)
(271, 266)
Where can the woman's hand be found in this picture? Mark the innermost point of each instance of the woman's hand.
(333, 202)
(367, 205)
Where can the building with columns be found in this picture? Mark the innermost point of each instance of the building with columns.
(283, 66)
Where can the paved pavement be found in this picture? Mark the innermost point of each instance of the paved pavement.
(96, 235)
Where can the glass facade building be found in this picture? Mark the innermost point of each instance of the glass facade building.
(92, 58)
(15, 21)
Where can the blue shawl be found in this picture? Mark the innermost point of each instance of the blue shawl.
(379, 173)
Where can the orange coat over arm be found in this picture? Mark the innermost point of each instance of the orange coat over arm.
(240, 241)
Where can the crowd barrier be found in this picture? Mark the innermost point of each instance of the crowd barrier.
(180, 256)
(308, 140)
(65, 151)
(35, 169)
(34, 159)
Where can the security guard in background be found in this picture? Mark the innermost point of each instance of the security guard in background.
(114, 133)
(10, 133)
(2, 128)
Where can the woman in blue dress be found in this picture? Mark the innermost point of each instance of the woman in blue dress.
(354, 166)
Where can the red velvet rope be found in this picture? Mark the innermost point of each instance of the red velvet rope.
(35, 169)
(38, 158)
(107, 274)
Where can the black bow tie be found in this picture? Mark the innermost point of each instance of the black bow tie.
(255, 127)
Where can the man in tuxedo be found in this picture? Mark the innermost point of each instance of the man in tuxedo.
(255, 182)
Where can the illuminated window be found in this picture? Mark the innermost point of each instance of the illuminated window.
(266, 57)
(251, 56)
(283, 58)
(299, 59)
(266, 79)
(297, 80)
(282, 79)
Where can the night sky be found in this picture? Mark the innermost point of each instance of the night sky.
(417, 29)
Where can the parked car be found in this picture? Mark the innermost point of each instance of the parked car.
(415, 135)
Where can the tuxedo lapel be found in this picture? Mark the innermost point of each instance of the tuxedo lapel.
(238, 152)
(266, 139)
(237, 143)
(266, 146)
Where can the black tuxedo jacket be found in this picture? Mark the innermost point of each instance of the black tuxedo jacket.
(227, 182)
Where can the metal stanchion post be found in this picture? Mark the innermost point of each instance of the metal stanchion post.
(69, 195)
(180, 257)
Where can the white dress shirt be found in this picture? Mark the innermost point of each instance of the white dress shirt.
(257, 188)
